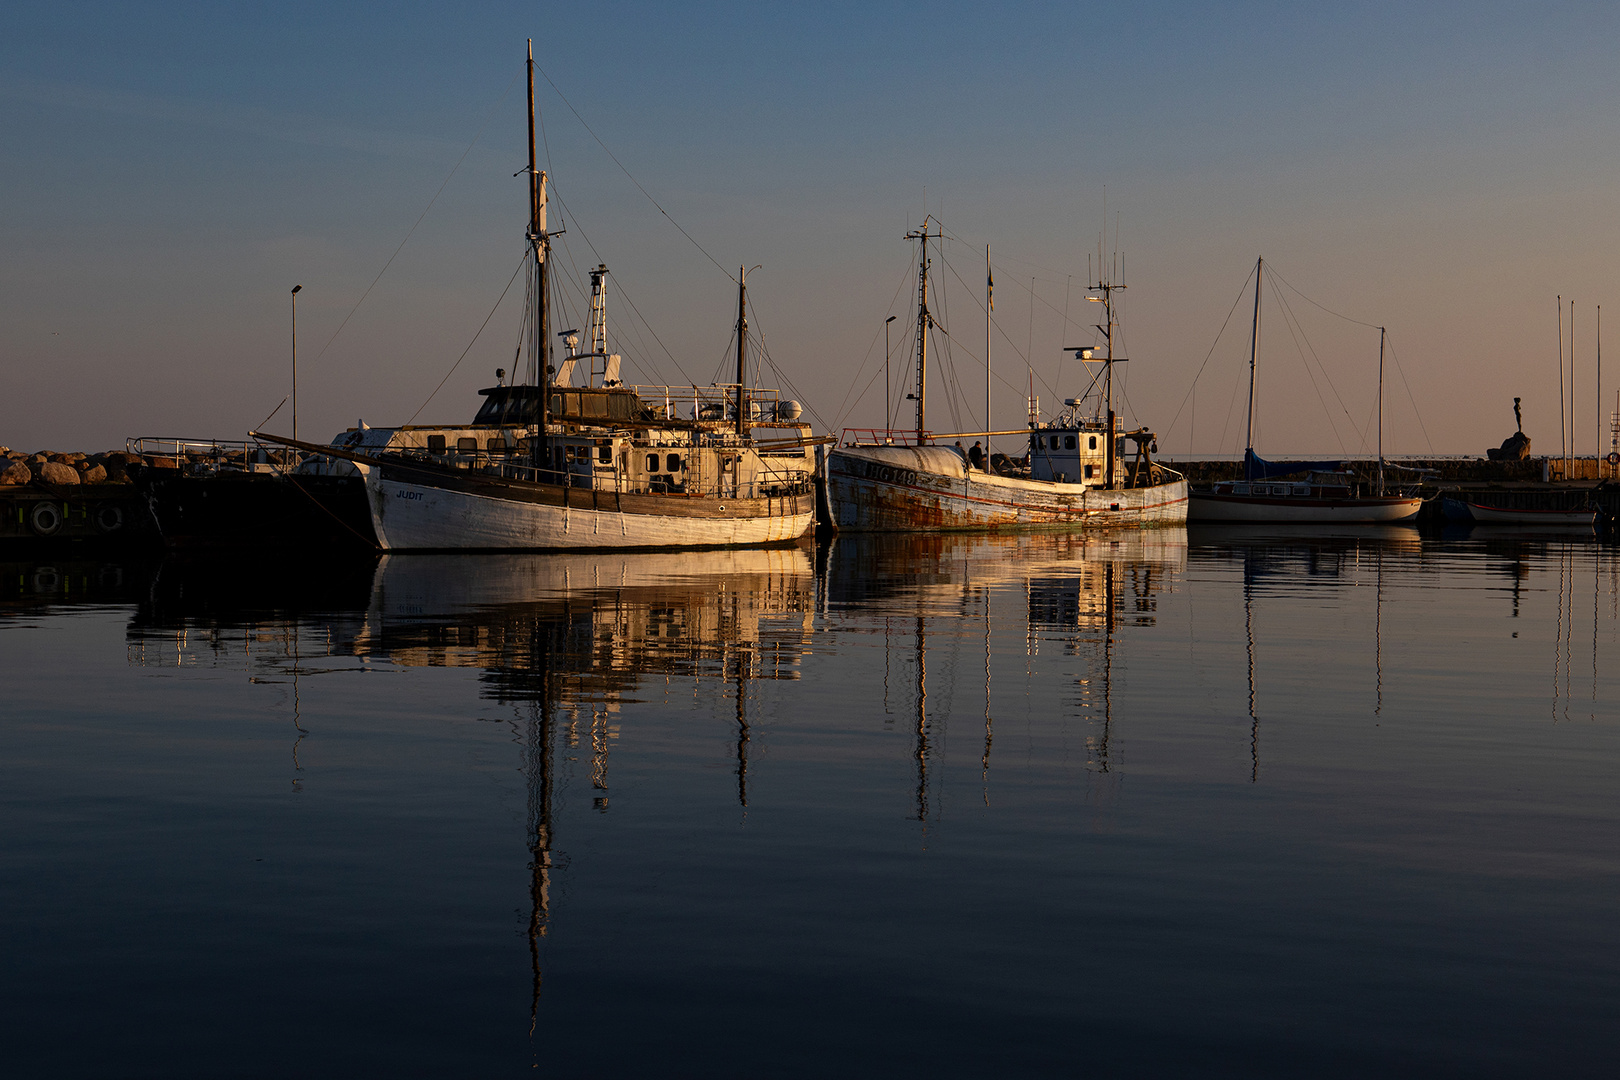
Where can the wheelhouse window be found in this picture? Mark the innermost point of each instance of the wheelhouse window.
(467, 444)
(435, 444)
(673, 463)
(1068, 442)
(1093, 443)
(652, 462)
(604, 453)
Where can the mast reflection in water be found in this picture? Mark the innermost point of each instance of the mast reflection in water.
(1292, 797)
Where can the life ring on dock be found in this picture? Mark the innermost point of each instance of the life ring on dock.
(109, 519)
(46, 519)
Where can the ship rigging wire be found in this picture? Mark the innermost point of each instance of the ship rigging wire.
(412, 231)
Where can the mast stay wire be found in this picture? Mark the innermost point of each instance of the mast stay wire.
(1212, 346)
(846, 405)
(1409, 397)
(764, 354)
(1413, 400)
(521, 264)
(1000, 260)
(412, 231)
(947, 354)
(1004, 336)
(1296, 332)
(624, 292)
(633, 180)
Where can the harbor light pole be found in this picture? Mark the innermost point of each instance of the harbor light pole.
(888, 410)
(295, 357)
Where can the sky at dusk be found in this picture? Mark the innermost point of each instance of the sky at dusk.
(1445, 171)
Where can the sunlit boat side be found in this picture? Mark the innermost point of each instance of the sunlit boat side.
(1075, 475)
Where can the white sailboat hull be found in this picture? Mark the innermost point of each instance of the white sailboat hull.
(902, 489)
(410, 514)
(1208, 506)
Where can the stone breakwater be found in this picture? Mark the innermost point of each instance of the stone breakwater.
(70, 469)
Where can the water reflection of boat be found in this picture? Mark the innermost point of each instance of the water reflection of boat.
(617, 616)
(1278, 560)
(1075, 588)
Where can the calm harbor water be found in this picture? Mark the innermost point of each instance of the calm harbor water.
(1246, 802)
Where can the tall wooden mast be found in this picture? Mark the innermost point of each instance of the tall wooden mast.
(540, 247)
(742, 352)
(1107, 287)
(1380, 410)
(1254, 348)
(924, 321)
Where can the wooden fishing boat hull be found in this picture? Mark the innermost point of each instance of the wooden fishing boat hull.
(930, 488)
(429, 509)
(1495, 515)
(1304, 509)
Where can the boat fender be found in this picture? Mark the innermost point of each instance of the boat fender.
(110, 519)
(46, 519)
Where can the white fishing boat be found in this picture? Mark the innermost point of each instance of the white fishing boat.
(1327, 495)
(554, 465)
(1077, 473)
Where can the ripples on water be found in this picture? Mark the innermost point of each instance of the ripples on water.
(1257, 803)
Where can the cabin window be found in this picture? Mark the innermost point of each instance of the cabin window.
(435, 444)
(604, 454)
(495, 446)
(595, 405)
(467, 444)
(652, 462)
(1054, 443)
(1068, 442)
(673, 463)
(1093, 443)
(1089, 470)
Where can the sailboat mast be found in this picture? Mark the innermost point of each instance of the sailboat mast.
(1106, 286)
(1380, 410)
(742, 351)
(1254, 348)
(990, 305)
(923, 322)
(540, 343)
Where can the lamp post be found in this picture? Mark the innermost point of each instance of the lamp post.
(295, 358)
(888, 411)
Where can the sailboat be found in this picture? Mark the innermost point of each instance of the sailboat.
(551, 465)
(1077, 475)
(1327, 495)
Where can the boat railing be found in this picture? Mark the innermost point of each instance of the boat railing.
(772, 478)
(885, 437)
(715, 402)
(206, 457)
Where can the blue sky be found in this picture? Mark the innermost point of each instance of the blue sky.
(171, 171)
